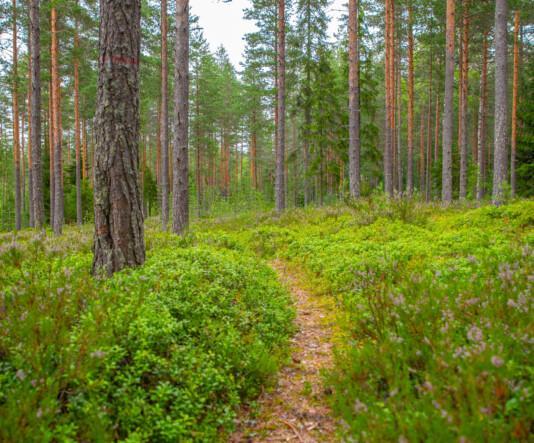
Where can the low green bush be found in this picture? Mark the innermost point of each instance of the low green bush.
(165, 352)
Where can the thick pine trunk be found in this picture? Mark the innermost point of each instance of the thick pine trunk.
(180, 162)
(164, 121)
(463, 138)
(514, 106)
(119, 231)
(481, 132)
(500, 158)
(56, 133)
(448, 110)
(77, 138)
(409, 178)
(354, 100)
(16, 133)
(281, 106)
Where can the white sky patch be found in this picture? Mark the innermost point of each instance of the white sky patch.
(223, 23)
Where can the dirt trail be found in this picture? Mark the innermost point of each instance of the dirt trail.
(296, 410)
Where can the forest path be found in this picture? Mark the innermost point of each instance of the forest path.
(297, 409)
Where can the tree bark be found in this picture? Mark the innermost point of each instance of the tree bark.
(409, 178)
(119, 231)
(77, 140)
(481, 155)
(390, 109)
(514, 106)
(354, 99)
(500, 166)
(58, 157)
(281, 105)
(16, 132)
(463, 139)
(446, 192)
(164, 120)
(181, 105)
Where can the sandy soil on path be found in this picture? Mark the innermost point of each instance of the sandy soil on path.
(297, 409)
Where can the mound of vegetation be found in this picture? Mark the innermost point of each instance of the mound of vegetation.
(165, 352)
(436, 311)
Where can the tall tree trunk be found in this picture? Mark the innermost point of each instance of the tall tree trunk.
(119, 232)
(253, 153)
(77, 138)
(354, 99)
(481, 155)
(30, 163)
(390, 110)
(436, 131)
(463, 139)
(409, 178)
(514, 105)
(281, 106)
(164, 120)
(198, 168)
(428, 132)
(446, 191)
(58, 157)
(422, 153)
(16, 132)
(399, 129)
(500, 156)
(181, 106)
(51, 152)
(84, 149)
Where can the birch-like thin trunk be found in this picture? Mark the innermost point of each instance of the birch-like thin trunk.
(77, 137)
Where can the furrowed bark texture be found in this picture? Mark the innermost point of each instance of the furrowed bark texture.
(180, 165)
(119, 232)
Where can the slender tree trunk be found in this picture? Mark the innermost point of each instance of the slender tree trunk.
(514, 106)
(253, 153)
(481, 156)
(164, 120)
(119, 232)
(446, 192)
(77, 140)
(51, 152)
(280, 185)
(428, 132)
(399, 129)
(409, 178)
(30, 163)
(463, 139)
(390, 110)
(16, 132)
(354, 99)
(181, 105)
(422, 153)
(58, 157)
(500, 158)
(84, 149)
(436, 131)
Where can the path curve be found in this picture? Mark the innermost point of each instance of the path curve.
(297, 409)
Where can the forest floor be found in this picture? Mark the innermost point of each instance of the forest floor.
(297, 408)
